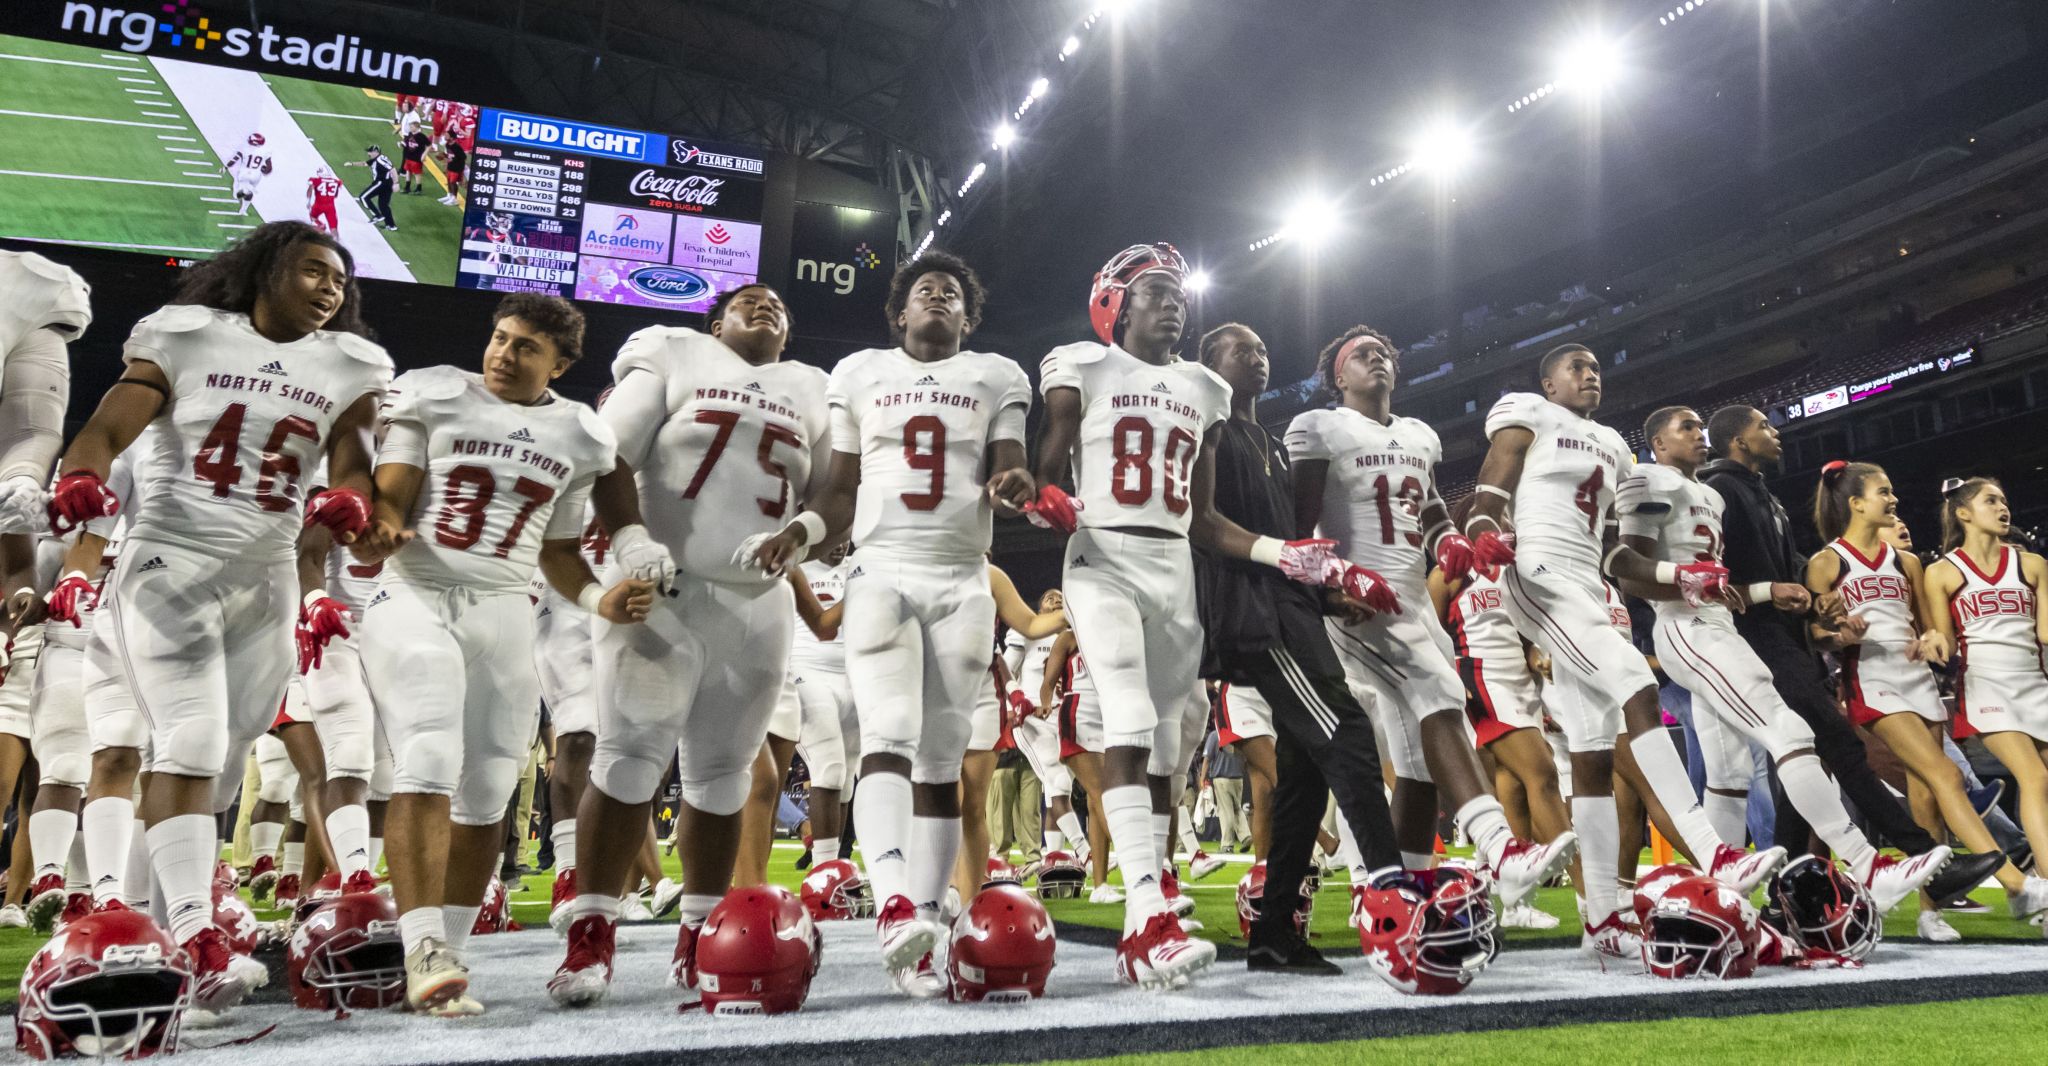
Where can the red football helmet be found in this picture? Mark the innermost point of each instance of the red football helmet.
(1002, 947)
(496, 914)
(108, 984)
(1651, 887)
(1251, 894)
(255, 140)
(999, 870)
(347, 955)
(1700, 927)
(1113, 282)
(1825, 910)
(836, 891)
(1431, 945)
(1062, 876)
(326, 889)
(757, 953)
(224, 878)
(237, 922)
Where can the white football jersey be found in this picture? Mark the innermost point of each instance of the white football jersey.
(828, 584)
(1026, 660)
(246, 426)
(1568, 481)
(722, 449)
(129, 484)
(1381, 477)
(1479, 622)
(1876, 590)
(35, 292)
(1994, 614)
(501, 478)
(1141, 428)
(921, 431)
(1682, 514)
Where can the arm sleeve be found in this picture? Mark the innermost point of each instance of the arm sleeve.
(638, 404)
(565, 522)
(405, 443)
(1057, 371)
(1639, 504)
(33, 395)
(1014, 405)
(1009, 423)
(845, 425)
(1305, 438)
(1516, 409)
(1013, 654)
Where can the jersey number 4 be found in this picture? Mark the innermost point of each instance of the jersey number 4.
(1130, 476)
(466, 499)
(771, 432)
(219, 458)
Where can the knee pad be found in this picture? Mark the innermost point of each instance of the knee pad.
(487, 787)
(297, 807)
(1059, 783)
(276, 790)
(719, 795)
(934, 772)
(193, 748)
(828, 771)
(429, 763)
(118, 729)
(71, 769)
(633, 779)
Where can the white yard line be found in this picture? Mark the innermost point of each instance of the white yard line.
(122, 56)
(230, 225)
(60, 62)
(112, 181)
(331, 114)
(185, 151)
(168, 137)
(145, 92)
(137, 81)
(124, 244)
(101, 121)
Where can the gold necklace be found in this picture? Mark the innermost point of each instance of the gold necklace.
(1265, 443)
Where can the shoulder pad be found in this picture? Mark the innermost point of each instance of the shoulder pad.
(607, 441)
(49, 269)
(1078, 352)
(178, 318)
(1522, 409)
(433, 383)
(362, 349)
(649, 349)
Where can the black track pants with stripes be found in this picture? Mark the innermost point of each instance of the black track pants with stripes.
(1323, 743)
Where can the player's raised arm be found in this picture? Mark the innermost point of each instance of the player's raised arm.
(1018, 615)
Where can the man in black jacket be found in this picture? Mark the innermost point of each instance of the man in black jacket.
(1757, 545)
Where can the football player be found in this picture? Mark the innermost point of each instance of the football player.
(481, 477)
(1038, 734)
(249, 165)
(724, 441)
(829, 733)
(926, 439)
(257, 370)
(1130, 419)
(1669, 516)
(1366, 478)
(44, 306)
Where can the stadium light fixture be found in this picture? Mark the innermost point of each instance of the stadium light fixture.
(1198, 282)
(1443, 147)
(1589, 65)
(1069, 47)
(1005, 136)
(1310, 222)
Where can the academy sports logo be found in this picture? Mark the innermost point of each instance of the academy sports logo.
(380, 597)
(272, 367)
(1161, 387)
(521, 435)
(926, 380)
(626, 222)
(156, 562)
(753, 386)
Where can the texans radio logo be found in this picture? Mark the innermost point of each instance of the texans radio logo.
(1943, 362)
(717, 234)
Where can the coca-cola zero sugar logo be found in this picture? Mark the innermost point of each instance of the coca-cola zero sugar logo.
(693, 192)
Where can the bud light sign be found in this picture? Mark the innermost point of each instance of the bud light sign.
(511, 127)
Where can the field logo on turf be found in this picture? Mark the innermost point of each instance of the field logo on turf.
(178, 24)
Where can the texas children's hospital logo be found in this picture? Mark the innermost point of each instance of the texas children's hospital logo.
(180, 25)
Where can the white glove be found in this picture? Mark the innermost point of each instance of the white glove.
(24, 505)
(645, 558)
(746, 557)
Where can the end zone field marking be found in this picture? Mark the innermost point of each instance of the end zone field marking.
(138, 81)
(125, 58)
(218, 200)
(102, 121)
(145, 92)
(112, 181)
(168, 137)
(230, 225)
(61, 62)
(331, 114)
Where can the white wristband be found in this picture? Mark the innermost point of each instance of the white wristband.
(79, 574)
(1760, 592)
(591, 595)
(813, 525)
(1667, 573)
(311, 597)
(1267, 550)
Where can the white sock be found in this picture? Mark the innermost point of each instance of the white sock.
(1127, 809)
(49, 839)
(1599, 829)
(934, 849)
(348, 827)
(456, 922)
(1815, 797)
(1729, 815)
(106, 826)
(881, 808)
(1188, 841)
(1486, 826)
(377, 853)
(77, 876)
(1070, 824)
(294, 861)
(421, 923)
(264, 838)
(587, 904)
(1347, 850)
(563, 836)
(694, 909)
(824, 849)
(139, 887)
(1666, 774)
(1055, 840)
(181, 851)
(1417, 860)
(1162, 828)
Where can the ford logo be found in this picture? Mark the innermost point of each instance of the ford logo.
(669, 284)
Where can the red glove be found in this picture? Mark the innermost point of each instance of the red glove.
(1702, 583)
(1053, 509)
(80, 497)
(72, 593)
(1454, 555)
(1021, 706)
(1308, 561)
(1493, 548)
(320, 620)
(1364, 586)
(345, 512)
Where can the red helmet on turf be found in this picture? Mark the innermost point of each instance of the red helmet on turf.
(1430, 944)
(1825, 910)
(325, 889)
(1700, 927)
(757, 953)
(109, 984)
(1061, 876)
(1113, 282)
(999, 870)
(496, 913)
(347, 955)
(224, 878)
(237, 922)
(836, 891)
(1002, 947)
(1651, 887)
(1251, 895)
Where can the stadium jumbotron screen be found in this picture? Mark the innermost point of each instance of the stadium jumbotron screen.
(175, 158)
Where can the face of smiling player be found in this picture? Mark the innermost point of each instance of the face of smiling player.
(755, 324)
(521, 361)
(304, 295)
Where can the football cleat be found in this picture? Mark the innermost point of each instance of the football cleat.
(77, 905)
(45, 901)
(668, 895)
(563, 895)
(1523, 915)
(1202, 864)
(1934, 929)
(586, 974)
(682, 966)
(1524, 866)
(221, 978)
(2031, 899)
(634, 909)
(288, 891)
(13, 917)
(1611, 938)
(1105, 893)
(1161, 955)
(262, 877)
(919, 981)
(1169, 886)
(461, 1005)
(1744, 870)
(904, 937)
(1892, 880)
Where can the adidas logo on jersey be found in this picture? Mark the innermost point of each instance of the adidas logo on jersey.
(1541, 569)
(380, 597)
(926, 380)
(1079, 561)
(753, 386)
(1393, 445)
(272, 367)
(521, 435)
(156, 562)
(1160, 386)
(892, 853)
(856, 572)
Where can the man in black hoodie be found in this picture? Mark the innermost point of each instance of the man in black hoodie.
(1757, 546)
